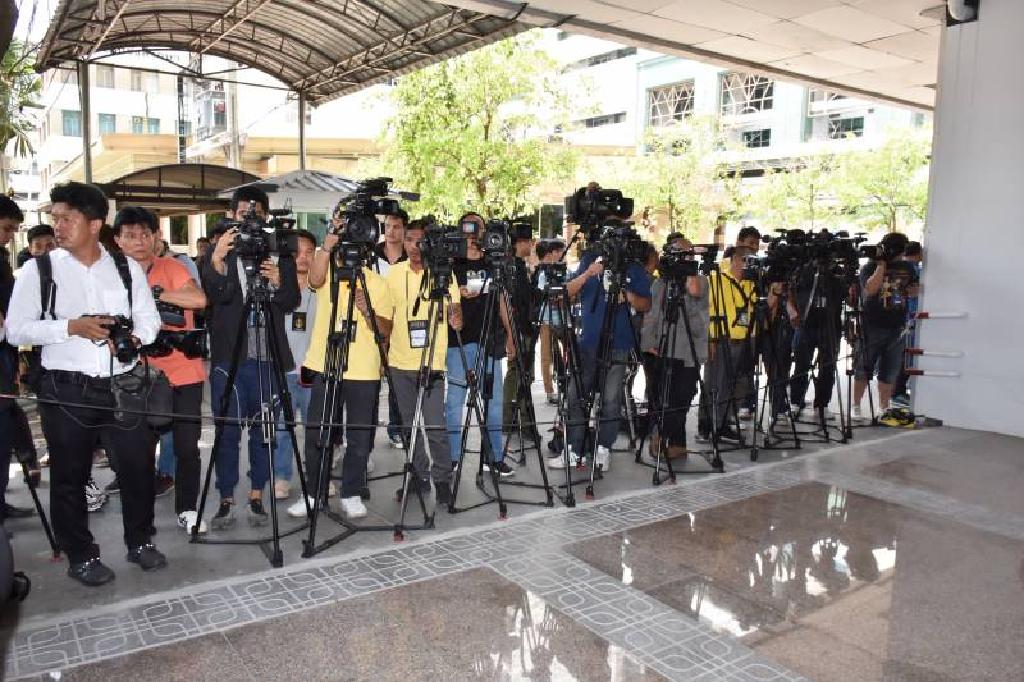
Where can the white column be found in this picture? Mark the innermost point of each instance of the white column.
(974, 240)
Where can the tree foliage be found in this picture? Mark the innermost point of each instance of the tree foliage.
(681, 171)
(803, 196)
(19, 90)
(888, 186)
(471, 132)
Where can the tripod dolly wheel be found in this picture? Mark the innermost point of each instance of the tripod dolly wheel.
(307, 549)
(589, 494)
(399, 535)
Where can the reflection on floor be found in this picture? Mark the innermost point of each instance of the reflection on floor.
(876, 561)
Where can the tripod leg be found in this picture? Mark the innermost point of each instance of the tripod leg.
(32, 488)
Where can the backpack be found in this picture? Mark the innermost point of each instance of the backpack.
(48, 287)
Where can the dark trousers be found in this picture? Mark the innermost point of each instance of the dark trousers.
(243, 403)
(682, 389)
(355, 406)
(806, 342)
(511, 387)
(610, 413)
(720, 382)
(185, 430)
(71, 433)
(777, 350)
(6, 448)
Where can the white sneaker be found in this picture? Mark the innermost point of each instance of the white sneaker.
(298, 510)
(559, 461)
(370, 465)
(187, 521)
(353, 507)
(603, 459)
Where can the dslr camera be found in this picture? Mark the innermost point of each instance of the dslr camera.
(120, 338)
(191, 342)
(591, 208)
(359, 211)
(258, 238)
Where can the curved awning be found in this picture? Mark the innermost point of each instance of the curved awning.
(322, 48)
(177, 188)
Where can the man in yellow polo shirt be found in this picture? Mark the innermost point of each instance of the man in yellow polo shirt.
(356, 404)
(410, 338)
(731, 308)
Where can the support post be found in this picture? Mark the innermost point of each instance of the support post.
(83, 97)
(302, 131)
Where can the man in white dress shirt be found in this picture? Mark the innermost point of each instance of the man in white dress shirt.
(78, 370)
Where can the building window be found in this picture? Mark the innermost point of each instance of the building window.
(138, 125)
(220, 115)
(744, 93)
(153, 126)
(757, 138)
(179, 229)
(840, 128)
(602, 58)
(669, 104)
(71, 122)
(108, 124)
(602, 120)
(105, 76)
(145, 82)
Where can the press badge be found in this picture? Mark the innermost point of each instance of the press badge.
(418, 333)
(298, 322)
(742, 318)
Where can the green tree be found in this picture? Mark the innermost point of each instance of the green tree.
(682, 172)
(472, 132)
(19, 90)
(803, 196)
(888, 186)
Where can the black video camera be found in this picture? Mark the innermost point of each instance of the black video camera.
(258, 238)
(677, 263)
(892, 246)
(361, 208)
(590, 208)
(555, 274)
(496, 241)
(619, 246)
(191, 342)
(439, 247)
(170, 314)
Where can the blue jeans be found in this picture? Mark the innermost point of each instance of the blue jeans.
(167, 463)
(284, 457)
(455, 399)
(244, 404)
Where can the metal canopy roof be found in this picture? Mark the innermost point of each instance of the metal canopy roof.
(322, 48)
(177, 188)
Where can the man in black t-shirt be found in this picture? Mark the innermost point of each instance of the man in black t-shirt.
(886, 285)
(473, 278)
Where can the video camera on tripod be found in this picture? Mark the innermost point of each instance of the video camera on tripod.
(891, 248)
(619, 245)
(677, 263)
(591, 207)
(440, 246)
(259, 238)
(794, 249)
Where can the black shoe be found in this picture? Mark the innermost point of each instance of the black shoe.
(225, 516)
(91, 573)
(502, 468)
(257, 515)
(147, 556)
(729, 436)
(442, 494)
(114, 487)
(703, 437)
(163, 485)
(12, 512)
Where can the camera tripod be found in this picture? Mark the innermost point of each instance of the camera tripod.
(485, 368)
(257, 308)
(857, 337)
(336, 362)
(825, 307)
(674, 309)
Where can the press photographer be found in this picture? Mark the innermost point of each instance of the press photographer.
(611, 261)
(473, 276)
(347, 252)
(251, 255)
(176, 295)
(675, 347)
(887, 283)
(411, 290)
(87, 357)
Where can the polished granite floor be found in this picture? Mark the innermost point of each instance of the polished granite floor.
(899, 557)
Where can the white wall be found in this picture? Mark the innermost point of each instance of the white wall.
(974, 237)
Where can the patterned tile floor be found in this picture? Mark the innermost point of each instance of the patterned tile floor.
(648, 636)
